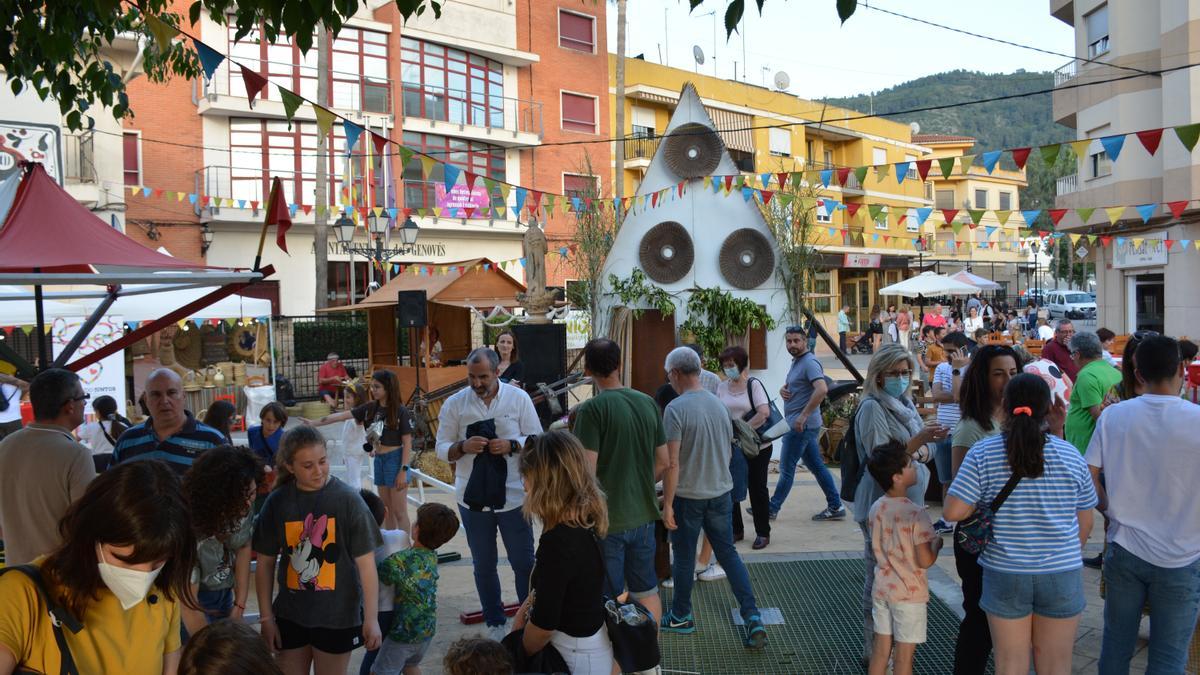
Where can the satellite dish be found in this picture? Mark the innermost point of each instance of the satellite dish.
(782, 80)
(916, 128)
(698, 54)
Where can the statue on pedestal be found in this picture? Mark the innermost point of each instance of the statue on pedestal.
(536, 299)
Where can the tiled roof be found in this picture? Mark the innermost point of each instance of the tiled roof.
(926, 139)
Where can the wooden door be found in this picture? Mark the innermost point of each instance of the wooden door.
(653, 338)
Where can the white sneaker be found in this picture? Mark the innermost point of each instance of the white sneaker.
(497, 633)
(712, 573)
(668, 583)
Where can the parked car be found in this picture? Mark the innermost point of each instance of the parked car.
(1070, 304)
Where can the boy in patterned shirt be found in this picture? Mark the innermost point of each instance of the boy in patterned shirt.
(413, 574)
(904, 545)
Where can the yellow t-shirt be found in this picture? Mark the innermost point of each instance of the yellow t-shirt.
(112, 640)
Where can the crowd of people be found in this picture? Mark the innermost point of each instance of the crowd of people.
(1025, 450)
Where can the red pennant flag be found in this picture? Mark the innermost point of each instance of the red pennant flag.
(470, 180)
(654, 200)
(728, 183)
(379, 141)
(203, 200)
(408, 213)
(587, 202)
(923, 167)
(306, 208)
(535, 201)
(1177, 207)
(766, 196)
(679, 188)
(277, 215)
(1057, 215)
(254, 205)
(255, 83)
(900, 222)
(842, 175)
(1105, 240)
(1169, 242)
(886, 238)
(949, 214)
(852, 209)
(782, 178)
(1150, 140)
(158, 192)
(1020, 156)
(1043, 234)
(470, 210)
(958, 244)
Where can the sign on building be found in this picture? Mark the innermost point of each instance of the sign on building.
(107, 377)
(1148, 250)
(27, 141)
(862, 260)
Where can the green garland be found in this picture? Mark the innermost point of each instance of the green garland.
(635, 292)
(715, 316)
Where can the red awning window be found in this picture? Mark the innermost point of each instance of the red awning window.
(133, 164)
(578, 113)
(576, 31)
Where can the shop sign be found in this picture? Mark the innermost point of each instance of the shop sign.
(426, 250)
(1149, 250)
(862, 260)
(106, 377)
(21, 141)
(462, 197)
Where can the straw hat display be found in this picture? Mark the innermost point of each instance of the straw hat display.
(187, 349)
(241, 342)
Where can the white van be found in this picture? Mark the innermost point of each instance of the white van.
(1070, 305)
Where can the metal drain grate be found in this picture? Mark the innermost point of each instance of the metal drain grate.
(821, 602)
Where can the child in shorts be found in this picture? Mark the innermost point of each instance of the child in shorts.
(905, 545)
(413, 575)
(393, 541)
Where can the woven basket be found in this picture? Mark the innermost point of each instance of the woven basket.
(428, 463)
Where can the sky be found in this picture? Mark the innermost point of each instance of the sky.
(872, 51)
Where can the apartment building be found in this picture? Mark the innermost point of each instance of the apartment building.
(473, 88)
(768, 131)
(1145, 285)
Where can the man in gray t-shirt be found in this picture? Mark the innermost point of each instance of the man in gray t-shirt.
(696, 494)
(805, 390)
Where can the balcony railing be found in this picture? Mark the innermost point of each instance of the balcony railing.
(457, 106)
(79, 155)
(1067, 184)
(347, 91)
(254, 185)
(641, 148)
(1067, 72)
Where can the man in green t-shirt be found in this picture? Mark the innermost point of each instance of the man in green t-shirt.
(627, 449)
(1093, 383)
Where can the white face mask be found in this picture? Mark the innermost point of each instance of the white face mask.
(130, 586)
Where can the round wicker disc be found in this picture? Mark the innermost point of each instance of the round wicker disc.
(692, 151)
(666, 252)
(747, 259)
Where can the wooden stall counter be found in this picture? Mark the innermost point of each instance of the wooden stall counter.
(432, 379)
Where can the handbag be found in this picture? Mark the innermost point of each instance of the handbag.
(974, 533)
(631, 628)
(59, 617)
(775, 426)
(546, 660)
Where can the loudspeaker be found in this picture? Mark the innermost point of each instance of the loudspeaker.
(543, 350)
(410, 309)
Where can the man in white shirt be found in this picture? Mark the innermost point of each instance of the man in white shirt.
(11, 390)
(482, 429)
(1148, 452)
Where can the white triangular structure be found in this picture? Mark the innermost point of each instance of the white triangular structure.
(709, 217)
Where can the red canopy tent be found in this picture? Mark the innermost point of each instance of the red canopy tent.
(48, 238)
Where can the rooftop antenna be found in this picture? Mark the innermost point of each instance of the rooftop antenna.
(765, 70)
(698, 55)
(782, 81)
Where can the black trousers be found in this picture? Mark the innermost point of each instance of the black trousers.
(974, 638)
(760, 496)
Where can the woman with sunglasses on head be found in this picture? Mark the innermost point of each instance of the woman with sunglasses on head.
(1032, 567)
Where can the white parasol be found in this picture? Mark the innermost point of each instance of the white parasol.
(928, 284)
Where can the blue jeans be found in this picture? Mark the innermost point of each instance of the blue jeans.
(217, 605)
(1174, 596)
(803, 447)
(629, 558)
(481, 527)
(385, 625)
(715, 518)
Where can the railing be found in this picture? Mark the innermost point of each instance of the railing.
(347, 91)
(641, 148)
(1065, 73)
(1067, 184)
(79, 153)
(254, 184)
(301, 342)
(471, 108)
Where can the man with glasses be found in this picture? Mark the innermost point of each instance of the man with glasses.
(43, 469)
(1058, 351)
(171, 433)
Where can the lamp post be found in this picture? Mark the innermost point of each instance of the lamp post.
(206, 239)
(378, 227)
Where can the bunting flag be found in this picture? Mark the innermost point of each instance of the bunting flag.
(990, 159)
(210, 59)
(947, 166)
(923, 168)
(1150, 139)
(1085, 214)
(1146, 211)
(1050, 153)
(965, 162)
(324, 120)
(1030, 215)
(901, 171)
(163, 32)
(826, 176)
(1177, 208)
(882, 171)
(353, 131)
(949, 215)
(843, 175)
(255, 84)
(1002, 216)
(1020, 156)
(860, 173)
(1112, 145)
(976, 215)
(291, 103)
(1114, 213)
(1188, 134)
(1080, 148)
(923, 215)
(277, 214)
(1056, 215)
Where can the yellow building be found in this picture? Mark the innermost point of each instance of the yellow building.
(770, 131)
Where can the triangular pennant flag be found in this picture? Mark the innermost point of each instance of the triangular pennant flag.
(765, 179)
(324, 119)
(352, 133)
(882, 171)
(146, 191)
(1169, 243)
(949, 214)
(1188, 134)
(210, 59)
(1080, 148)
(1112, 145)
(521, 192)
(852, 209)
(989, 231)
(379, 142)
(860, 173)
(1074, 238)
(990, 159)
(1114, 213)
(748, 193)
(405, 156)
(1146, 211)
(450, 176)
(843, 174)
(874, 210)
(965, 162)
(1150, 139)
(1002, 216)
(728, 184)
(1020, 156)
(428, 164)
(1030, 215)
(957, 227)
(923, 215)
(782, 179)
(1177, 208)
(1050, 153)
(901, 171)
(1085, 214)
(947, 166)
(766, 196)
(162, 31)
(826, 176)
(1056, 215)
(976, 215)
(278, 214)
(255, 83)
(923, 166)
(290, 102)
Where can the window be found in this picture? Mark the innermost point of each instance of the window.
(944, 200)
(478, 158)
(578, 185)
(1100, 164)
(912, 166)
(808, 151)
(133, 157)
(881, 223)
(643, 122)
(780, 142)
(1097, 31)
(929, 190)
(339, 282)
(823, 214)
(820, 296)
(1005, 201)
(828, 158)
(576, 31)
(450, 85)
(879, 156)
(981, 201)
(743, 160)
(910, 221)
(579, 113)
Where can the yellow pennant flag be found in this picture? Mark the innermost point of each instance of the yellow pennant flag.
(965, 162)
(324, 119)
(162, 31)
(427, 166)
(1080, 148)
(179, 196)
(1137, 241)
(1114, 213)
(1002, 216)
(882, 171)
(1074, 238)
(437, 212)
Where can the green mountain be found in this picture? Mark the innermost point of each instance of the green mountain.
(997, 125)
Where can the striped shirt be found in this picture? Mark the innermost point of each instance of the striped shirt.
(947, 413)
(1036, 530)
(178, 450)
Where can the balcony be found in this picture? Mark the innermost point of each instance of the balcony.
(225, 94)
(1067, 185)
(79, 168)
(1065, 73)
(503, 121)
(639, 152)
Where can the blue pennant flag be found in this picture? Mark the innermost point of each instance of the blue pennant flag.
(210, 59)
(146, 191)
(832, 230)
(1184, 242)
(576, 204)
(352, 133)
(747, 193)
(192, 198)
(393, 212)
(1112, 145)
(450, 176)
(990, 231)
(1145, 210)
(241, 203)
(766, 180)
(199, 323)
(522, 262)
(1120, 241)
(826, 176)
(923, 215)
(134, 324)
(902, 171)
(1058, 235)
(831, 205)
(1030, 215)
(520, 199)
(716, 184)
(990, 159)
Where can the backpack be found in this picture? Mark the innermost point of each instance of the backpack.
(746, 438)
(847, 453)
(60, 618)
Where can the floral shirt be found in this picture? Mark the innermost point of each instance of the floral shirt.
(413, 574)
(898, 527)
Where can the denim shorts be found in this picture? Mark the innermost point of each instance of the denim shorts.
(629, 557)
(388, 466)
(942, 459)
(1057, 595)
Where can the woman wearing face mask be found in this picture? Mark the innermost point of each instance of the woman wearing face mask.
(123, 578)
(735, 393)
(887, 413)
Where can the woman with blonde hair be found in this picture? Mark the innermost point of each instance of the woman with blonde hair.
(565, 606)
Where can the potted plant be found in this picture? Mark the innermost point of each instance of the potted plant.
(835, 417)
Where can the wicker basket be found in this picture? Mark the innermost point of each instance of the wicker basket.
(830, 439)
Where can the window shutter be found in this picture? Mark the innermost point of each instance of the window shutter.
(575, 31)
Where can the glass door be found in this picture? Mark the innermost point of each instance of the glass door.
(1148, 302)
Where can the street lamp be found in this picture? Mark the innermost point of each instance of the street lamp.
(378, 226)
(206, 239)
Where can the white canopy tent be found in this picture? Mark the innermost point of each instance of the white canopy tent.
(24, 313)
(138, 307)
(975, 280)
(928, 284)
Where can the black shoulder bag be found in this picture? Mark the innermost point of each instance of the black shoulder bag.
(631, 628)
(59, 617)
(974, 532)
